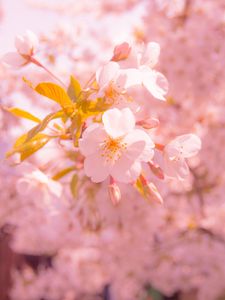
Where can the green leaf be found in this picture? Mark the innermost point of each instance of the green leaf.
(63, 173)
(20, 140)
(29, 148)
(74, 89)
(44, 123)
(74, 185)
(23, 114)
(55, 93)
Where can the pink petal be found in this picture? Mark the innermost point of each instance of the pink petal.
(95, 167)
(155, 82)
(126, 170)
(176, 168)
(13, 59)
(140, 145)
(91, 139)
(117, 122)
(151, 54)
(190, 143)
(107, 73)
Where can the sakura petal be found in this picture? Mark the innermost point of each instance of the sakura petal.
(32, 38)
(155, 82)
(117, 122)
(107, 73)
(133, 77)
(13, 59)
(140, 145)
(151, 54)
(92, 137)
(22, 46)
(190, 143)
(95, 167)
(176, 168)
(27, 43)
(126, 170)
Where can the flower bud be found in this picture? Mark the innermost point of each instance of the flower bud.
(149, 123)
(121, 52)
(152, 193)
(156, 170)
(26, 46)
(114, 193)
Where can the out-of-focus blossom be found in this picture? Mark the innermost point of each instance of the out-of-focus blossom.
(26, 46)
(184, 146)
(115, 148)
(154, 81)
(114, 193)
(34, 181)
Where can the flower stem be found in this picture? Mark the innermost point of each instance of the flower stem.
(37, 63)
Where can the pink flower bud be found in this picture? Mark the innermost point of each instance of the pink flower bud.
(26, 46)
(114, 193)
(153, 193)
(150, 191)
(156, 170)
(149, 123)
(121, 52)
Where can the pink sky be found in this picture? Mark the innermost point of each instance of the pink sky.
(19, 16)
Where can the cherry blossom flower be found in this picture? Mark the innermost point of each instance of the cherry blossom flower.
(111, 82)
(36, 182)
(176, 151)
(26, 46)
(154, 81)
(115, 148)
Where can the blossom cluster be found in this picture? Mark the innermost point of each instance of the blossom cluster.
(101, 120)
(70, 229)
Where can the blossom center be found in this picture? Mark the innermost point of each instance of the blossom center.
(113, 92)
(112, 149)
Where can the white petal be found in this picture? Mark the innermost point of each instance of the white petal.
(140, 146)
(22, 46)
(32, 38)
(95, 167)
(176, 168)
(155, 82)
(190, 143)
(91, 139)
(133, 77)
(151, 54)
(117, 122)
(13, 59)
(107, 73)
